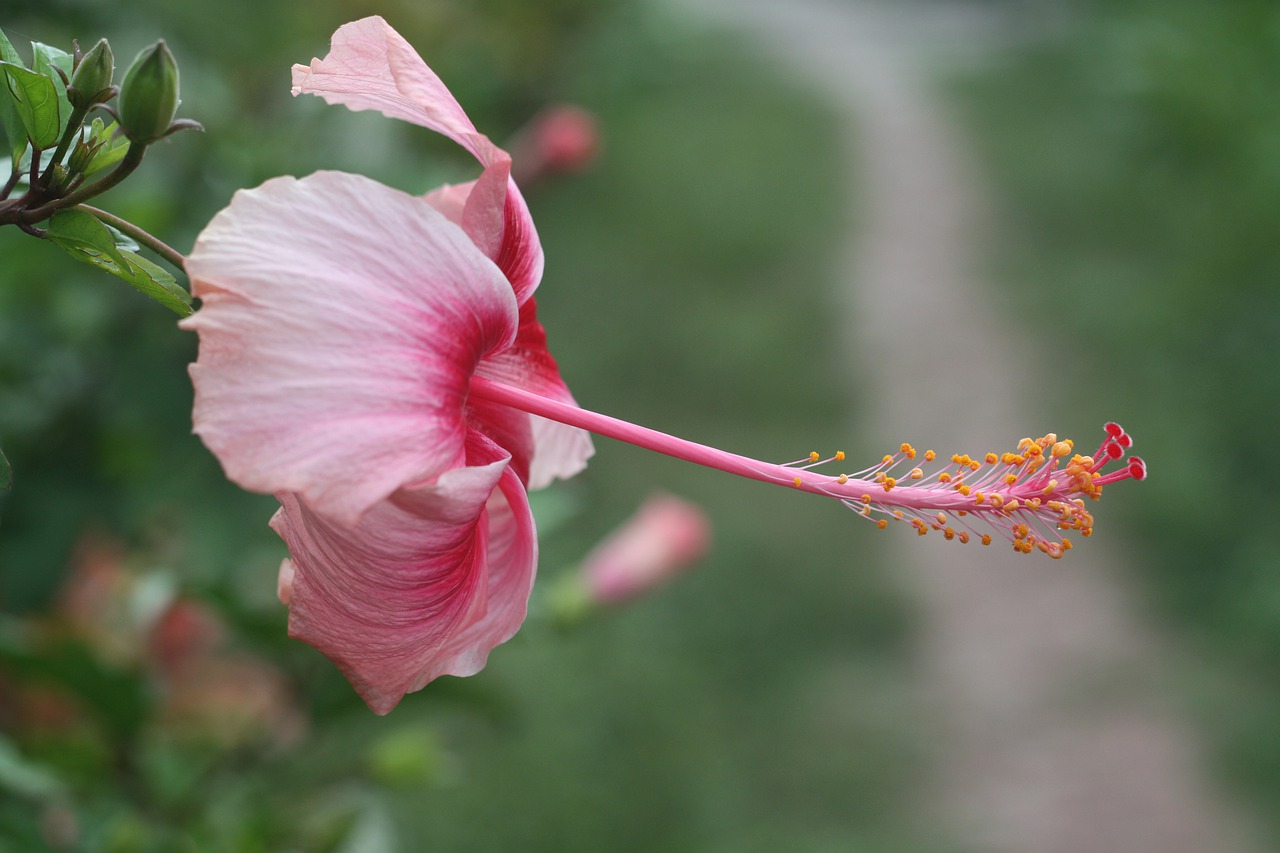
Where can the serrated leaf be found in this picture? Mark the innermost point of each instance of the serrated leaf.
(86, 239)
(13, 126)
(114, 146)
(44, 59)
(36, 99)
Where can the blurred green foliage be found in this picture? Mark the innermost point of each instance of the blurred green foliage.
(760, 704)
(1139, 153)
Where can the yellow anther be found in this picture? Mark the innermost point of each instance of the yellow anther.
(889, 483)
(842, 479)
(839, 455)
(978, 497)
(1060, 449)
(1021, 531)
(948, 533)
(897, 513)
(1012, 505)
(992, 459)
(1049, 489)
(916, 473)
(996, 500)
(886, 460)
(797, 481)
(942, 517)
(866, 499)
(963, 537)
(909, 450)
(944, 477)
(880, 478)
(1024, 444)
(962, 489)
(882, 523)
(1066, 544)
(929, 456)
(986, 539)
(1033, 503)
(1010, 479)
(864, 510)
(922, 530)
(814, 456)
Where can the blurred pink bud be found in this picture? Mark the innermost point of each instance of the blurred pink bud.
(664, 537)
(562, 138)
(186, 631)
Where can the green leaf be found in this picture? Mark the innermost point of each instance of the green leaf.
(86, 239)
(13, 126)
(18, 776)
(45, 59)
(36, 99)
(114, 146)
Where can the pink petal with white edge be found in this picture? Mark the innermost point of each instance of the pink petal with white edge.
(340, 325)
(557, 451)
(371, 67)
(425, 585)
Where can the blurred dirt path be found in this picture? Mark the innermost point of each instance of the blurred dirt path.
(1054, 733)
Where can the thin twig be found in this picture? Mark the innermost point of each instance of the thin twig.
(173, 256)
(130, 162)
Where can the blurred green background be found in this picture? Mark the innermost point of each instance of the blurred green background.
(766, 701)
(1137, 151)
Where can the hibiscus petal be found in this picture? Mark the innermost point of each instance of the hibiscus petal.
(341, 323)
(513, 556)
(554, 450)
(427, 583)
(371, 67)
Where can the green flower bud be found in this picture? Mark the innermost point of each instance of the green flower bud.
(92, 77)
(81, 156)
(149, 94)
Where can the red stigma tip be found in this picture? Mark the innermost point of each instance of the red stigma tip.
(1137, 468)
(1114, 429)
(1124, 439)
(1114, 450)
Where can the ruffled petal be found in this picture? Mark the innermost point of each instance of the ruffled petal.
(340, 325)
(427, 583)
(556, 451)
(513, 558)
(371, 67)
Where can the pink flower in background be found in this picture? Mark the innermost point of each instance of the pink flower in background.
(666, 536)
(341, 323)
(562, 138)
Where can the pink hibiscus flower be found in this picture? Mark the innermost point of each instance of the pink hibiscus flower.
(374, 360)
(341, 323)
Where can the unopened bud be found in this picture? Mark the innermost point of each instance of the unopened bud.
(149, 94)
(91, 82)
(665, 536)
(81, 156)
